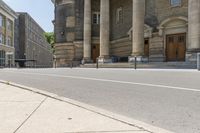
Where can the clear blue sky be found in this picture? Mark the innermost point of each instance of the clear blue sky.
(40, 10)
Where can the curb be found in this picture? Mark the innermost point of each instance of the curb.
(123, 119)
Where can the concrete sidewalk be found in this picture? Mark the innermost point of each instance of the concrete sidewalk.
(23, 111)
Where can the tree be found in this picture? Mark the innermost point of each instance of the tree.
(50, 39)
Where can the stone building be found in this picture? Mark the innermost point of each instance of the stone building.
(153, 30)
(7, 50)
(32, 49)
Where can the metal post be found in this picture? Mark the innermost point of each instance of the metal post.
(35, 64)
(198, 61)
(55, 64)
(97, 63)
(54, 61)
(135, 62)
(71, 64)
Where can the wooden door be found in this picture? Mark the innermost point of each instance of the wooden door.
(176, 47)
(181, 46)
(146, 48)
(95, 52)
(171, 48)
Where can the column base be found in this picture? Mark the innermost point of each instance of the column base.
(138, 59)
(104, 60)
(86, 60)
(191, 56)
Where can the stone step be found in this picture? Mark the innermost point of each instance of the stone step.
(161, 65)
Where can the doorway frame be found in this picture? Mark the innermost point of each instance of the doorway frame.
(166, 46)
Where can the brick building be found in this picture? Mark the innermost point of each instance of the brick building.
(154, 30)
(32, 49)
(7, 50)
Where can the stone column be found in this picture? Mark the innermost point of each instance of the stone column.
(87, 31)
(193, 29)
(104, 31)
(138, 29)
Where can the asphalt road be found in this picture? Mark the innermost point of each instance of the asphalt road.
(168, 99)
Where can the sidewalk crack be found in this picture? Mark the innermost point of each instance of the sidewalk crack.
(31, 114)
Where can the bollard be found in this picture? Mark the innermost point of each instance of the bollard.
(135, 62)
(71, 65)
(198, 61)
(55, 64)
(97, 63)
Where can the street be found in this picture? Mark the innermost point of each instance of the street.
(168, 99)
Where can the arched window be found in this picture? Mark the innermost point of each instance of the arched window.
(119, 15)
(175, 3)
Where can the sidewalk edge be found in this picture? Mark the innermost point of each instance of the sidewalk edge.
(123, 119)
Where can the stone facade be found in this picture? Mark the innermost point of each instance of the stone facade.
(7, 50)
(127, 28)
(32, 50)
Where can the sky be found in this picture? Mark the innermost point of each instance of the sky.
(42, 11)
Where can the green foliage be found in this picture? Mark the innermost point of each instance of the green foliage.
(50, 39)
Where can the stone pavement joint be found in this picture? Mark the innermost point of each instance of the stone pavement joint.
(30, 115)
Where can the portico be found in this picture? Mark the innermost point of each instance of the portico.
(138, 32)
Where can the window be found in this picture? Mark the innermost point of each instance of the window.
(119, 15)
(2, 39)
(175, 3)
(9, 41)
(9, 25)
(10, 59)
(2, 58)
(96, 18)
(1, 21)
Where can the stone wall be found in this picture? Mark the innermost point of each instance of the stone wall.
(121, 47)
(164, 9)
(156, 48)
(95, 27)
(65, 23)
(120, 30)
(79, 12)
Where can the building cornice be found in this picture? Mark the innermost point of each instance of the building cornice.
(7, 9)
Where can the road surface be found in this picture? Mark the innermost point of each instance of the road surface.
(168, 99)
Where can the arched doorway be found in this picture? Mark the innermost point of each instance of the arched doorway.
(176, 47)
(174, 31)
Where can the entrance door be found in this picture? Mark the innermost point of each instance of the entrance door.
(95, 52)
(146, 48)
(176, 47)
